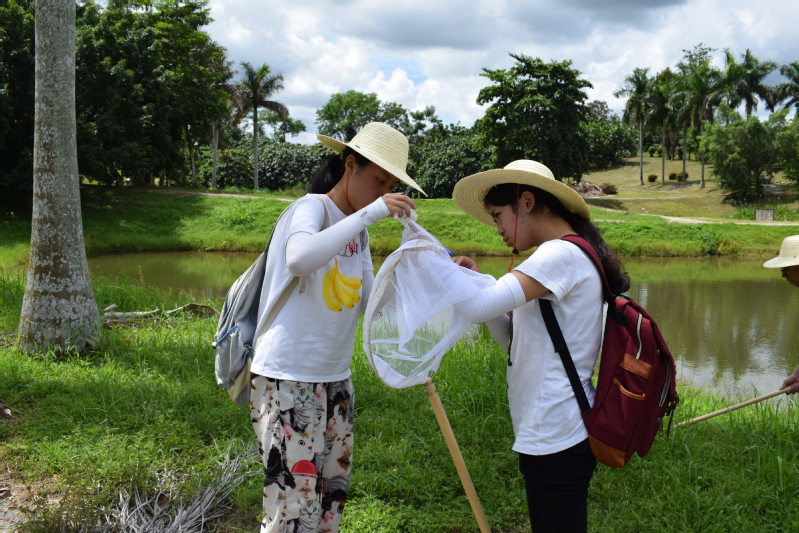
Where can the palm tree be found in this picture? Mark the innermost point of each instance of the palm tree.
(660, 114)
(226, 73)
(750, 87)
(253, 92)
(788, 92)
(729, 82)
(636, 89)
(697, 89)
(59, 309)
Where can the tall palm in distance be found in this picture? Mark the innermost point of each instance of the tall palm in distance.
(224, 68)
(636, 89)
(660, 114)
(254, 91)
(731, 76)
(750, 87)
(696, 91)
(788, 92)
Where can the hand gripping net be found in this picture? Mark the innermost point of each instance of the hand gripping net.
(410, 322)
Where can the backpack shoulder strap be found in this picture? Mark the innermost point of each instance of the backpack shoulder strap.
(553, 328)
(592, 254)
(284, 296)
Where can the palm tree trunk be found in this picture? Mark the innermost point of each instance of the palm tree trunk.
(59, 310)
(255, 145)
(663, 155)
(191, 159)
(641, 149)
(702, 176)
(214, 149)
(684, 150)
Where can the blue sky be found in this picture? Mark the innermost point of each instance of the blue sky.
(431, 52)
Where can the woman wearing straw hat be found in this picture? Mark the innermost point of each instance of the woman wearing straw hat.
(788, 263)
(531, 209)
(301, 393)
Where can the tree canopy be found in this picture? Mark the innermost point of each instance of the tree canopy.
(535, 111)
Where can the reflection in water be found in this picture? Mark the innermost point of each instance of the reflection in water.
(731, 324)
(206, 274)
(722, 333)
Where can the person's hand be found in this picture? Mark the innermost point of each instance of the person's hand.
(792, 381)
(398, 204)
(466, 262)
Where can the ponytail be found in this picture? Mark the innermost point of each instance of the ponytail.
(332, 170)
(506, 194)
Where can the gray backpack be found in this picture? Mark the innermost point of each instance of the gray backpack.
(235, 338)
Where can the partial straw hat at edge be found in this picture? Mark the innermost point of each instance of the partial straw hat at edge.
(382, 145)
(470, 191)
(789, 254)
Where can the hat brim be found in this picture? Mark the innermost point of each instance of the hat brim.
(780, 262)
(470, 192)
(339, 146)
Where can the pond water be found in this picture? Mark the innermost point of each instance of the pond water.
(731, 324)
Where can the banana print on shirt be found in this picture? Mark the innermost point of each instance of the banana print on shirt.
(339, 290)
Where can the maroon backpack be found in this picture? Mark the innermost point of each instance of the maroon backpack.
(636, 383)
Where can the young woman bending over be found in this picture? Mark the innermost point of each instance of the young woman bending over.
(531, 209)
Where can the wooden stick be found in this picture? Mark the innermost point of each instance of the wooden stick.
(734, 407)
(455, 451)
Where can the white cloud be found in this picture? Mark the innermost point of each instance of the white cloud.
(421, 53)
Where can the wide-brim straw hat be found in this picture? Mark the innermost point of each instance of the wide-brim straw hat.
(470, 192)
(382, 145)
(789, 254)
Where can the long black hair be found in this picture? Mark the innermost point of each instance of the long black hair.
(506, 194)
(332, 170)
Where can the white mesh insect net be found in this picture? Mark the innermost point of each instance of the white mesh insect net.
(410, 322)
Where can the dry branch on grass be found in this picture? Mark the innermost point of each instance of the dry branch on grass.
(110, 316)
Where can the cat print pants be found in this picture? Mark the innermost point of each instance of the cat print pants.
(304, 435)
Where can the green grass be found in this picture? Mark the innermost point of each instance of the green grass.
(143, 411)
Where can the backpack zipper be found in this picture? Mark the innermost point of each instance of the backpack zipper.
(666, 385)
(638, 330)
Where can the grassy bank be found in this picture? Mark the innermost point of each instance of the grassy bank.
(143, 411)
(128, 220)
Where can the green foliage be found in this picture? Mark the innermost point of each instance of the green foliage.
(744, 154)
(781, 212)
(145, 88)
(608, 142)
(345, 114)
(652, 178)
(283, 126)
(16, 94)
(788, 146)
(234, 167)
(288, 165)
(535, 111)
(439, 164)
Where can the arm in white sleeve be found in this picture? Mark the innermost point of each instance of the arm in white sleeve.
(366, 288)
(308, 252)
(499, 328)
(505, 295)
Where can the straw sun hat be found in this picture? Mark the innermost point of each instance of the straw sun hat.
(382, 145)
(789, 254)
(471, 190)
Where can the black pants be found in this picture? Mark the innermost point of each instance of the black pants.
(557, 488)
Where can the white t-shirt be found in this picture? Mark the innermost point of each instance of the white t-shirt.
(312, 337)
(546, 416)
